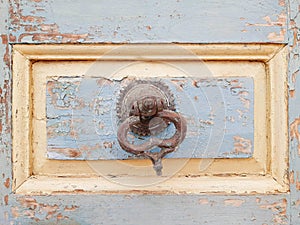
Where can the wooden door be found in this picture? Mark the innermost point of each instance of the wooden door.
(59, 55)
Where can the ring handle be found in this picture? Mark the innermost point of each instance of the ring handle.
(166, 145)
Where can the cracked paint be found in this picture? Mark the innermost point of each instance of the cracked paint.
(43, 21)
(280, 210)
(81, 117)
(41, 211)
(241, 145)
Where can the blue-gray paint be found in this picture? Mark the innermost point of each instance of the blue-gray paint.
(139, 21)
(57, 21)
(152, 209)
(81, 115)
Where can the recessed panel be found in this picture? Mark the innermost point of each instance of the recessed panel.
(82, 120)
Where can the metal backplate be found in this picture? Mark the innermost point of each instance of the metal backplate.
(138, 90)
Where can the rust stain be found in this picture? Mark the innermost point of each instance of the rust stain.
(7, 183)
(294, 132)
(241, 145)
(234, 202)
(6, 199)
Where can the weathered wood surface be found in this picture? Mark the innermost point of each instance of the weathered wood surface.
(42, 21)
(82, 117)
(149, 209)
(148, 21)
(294, 114)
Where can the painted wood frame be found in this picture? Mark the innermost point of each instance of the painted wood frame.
(265, 173)
(72, 22)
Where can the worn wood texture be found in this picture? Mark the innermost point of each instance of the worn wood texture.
(294, 114)
(42, 21)
(148, 21)
(149, 209)
(82, 117)
(5, 116)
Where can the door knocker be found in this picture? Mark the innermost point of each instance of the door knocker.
(146, 108)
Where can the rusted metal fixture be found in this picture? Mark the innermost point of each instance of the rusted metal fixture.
(146, 108)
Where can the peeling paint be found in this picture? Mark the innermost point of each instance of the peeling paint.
(28, 203)
(7, 182)
(6, 199)
(294, 132)
(71, 208)
(203, 201)
(298, 181)
(67, 152)
(41, 211)
(241, 145)
(15, 212)
(292, 177)
(42, 21)
(82, 118)
(234, 202)
(277, 37)
(280, 210)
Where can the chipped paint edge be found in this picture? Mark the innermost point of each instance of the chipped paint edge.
(29, 53)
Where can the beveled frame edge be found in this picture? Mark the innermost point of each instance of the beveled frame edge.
(273, 55)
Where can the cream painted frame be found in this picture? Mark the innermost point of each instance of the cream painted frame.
(268, 174)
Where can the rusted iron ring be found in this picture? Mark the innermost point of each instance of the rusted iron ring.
(170, 143)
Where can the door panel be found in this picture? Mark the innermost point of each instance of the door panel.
(73, 22)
